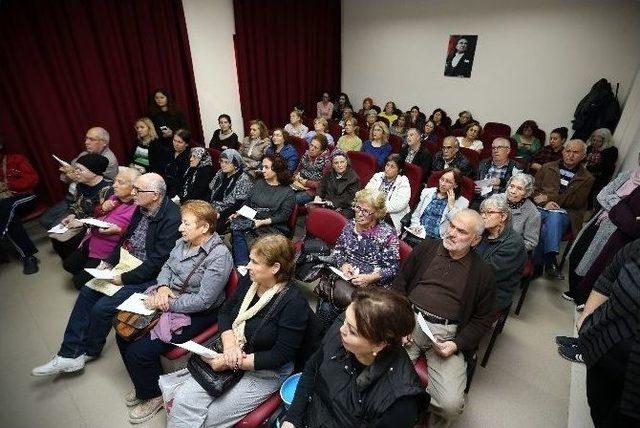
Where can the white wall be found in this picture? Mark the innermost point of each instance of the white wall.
(627, 136)
(534, 59)
(211, 27)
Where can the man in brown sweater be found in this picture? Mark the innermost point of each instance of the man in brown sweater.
(454, 290)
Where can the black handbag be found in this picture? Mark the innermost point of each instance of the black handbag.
(217, 383)
(335, 290)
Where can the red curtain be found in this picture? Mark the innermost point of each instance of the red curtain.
(68, 65)
(287, 51)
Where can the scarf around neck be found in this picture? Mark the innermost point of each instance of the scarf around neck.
(245, 313)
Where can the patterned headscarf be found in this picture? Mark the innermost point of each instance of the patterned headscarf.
(234, 157)
(203, 156)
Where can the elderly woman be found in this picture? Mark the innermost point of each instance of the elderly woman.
(601, 159)
(367, 338)
(178, 163)
(502, 248)
(528, 143)
(320, 127)
(254, 146)
(378, 143)
(295, 127)
(350, 142)
(525, 217)
(98, 243)
(395, 187)
(195, 181)
(224, 138)
(389, 112)
(400, 126)
(472, 133)
(149, 155)
(281, 146)
(230, 187)
(324, 107)
(437, 205)
(273, 199)
(464, 119)
(338, 188)
(551, 152)
(263, 327)
(189, 291)
(313, 166)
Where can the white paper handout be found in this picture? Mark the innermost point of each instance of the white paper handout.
(196, 348)
(417, 231)
(60, 161)
(100, 273)
(58, 228)
(95, 222)
(340, 274)
(135, 303)
(127, 263)
(242, 270)
(247, 212)
(425, 327)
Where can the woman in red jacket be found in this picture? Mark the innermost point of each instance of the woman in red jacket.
(17, 180)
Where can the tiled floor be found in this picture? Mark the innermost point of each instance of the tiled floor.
(526, 384)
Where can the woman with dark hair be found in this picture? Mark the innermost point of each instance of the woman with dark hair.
(528, 143)
(166, 116)
(224, 137)
(324, 107)
(195, 181)
(280, 145)
(472, 133)
(338, 188)
(399, 127)
(551, 152)
(417, 118)
(395, 187)
(341, 103)
(367, 103)
(273, 200)
(464, 119)
(230, 187)
(362, 376)
(414, 153)
(254, 145)
(389, 112)
(429, 138)
(178, 163)
(313, 166)
(149, 155)
(440, 118)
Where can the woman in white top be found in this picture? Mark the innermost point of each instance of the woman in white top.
(396, 188)
(296, 127)
(471, 134)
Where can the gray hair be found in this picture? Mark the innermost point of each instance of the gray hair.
(475, 216)
(373, 198)
(452, 138)
(607, 137)
(131, 174)
(526, 180)
(498, 202)
(581, 143)
(157, 183)
(103, 134)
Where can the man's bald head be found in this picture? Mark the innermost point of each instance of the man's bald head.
(464, 231)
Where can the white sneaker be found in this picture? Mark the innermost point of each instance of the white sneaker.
(59, 365)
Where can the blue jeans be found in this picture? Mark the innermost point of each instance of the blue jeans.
(554, 225)
(303, 197)
(240, 247)
(90, 320)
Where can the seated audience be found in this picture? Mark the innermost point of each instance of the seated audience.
(195, 181)
(395, 187)
(439, 118)
(389, 112)
(499, 168)
(438, 204)
(528, 143)
(429, 138)
(91, 190)
(150, 237)
(378, 143)
(253, 147)
(230, 187)
(601, 159)
(17, 182)
(350, 142)
(338, 187)
(314, 165)
(472, 132)
(502, 248)
(224, 138)
(450, 157)
(464, 119)
(453, 288)
(589, 244)
(295, 127)
(273, 199)
(417, 119)
(96, 142)
(399, 127)
(561, 193)
(370, 119)
(149, 155)
(414, 153)
(263, 327)
(281, 146)
(367, 338)
(179, 161)
(367, 103)
(320, 127)
(98, 243)
(324, 107)
(347, 113)
(188, 292)
(525, 217)
(166, 116)
(340, 105)
(551, 152)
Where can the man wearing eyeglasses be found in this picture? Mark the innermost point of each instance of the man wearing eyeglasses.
(498, 168)
(450, 157)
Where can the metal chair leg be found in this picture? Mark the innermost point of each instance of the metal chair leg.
(525, 287)
(494, 336)
(564, 254)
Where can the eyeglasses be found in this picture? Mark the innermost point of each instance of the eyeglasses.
(92, 139)
(500, 147)
(448, 147)
(485, 213)
(360, 210)
(135, 190)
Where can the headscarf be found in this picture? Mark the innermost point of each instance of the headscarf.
(203, 156)
(204, 159)
(234, 157)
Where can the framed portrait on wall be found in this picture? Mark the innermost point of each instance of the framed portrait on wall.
(460, 54)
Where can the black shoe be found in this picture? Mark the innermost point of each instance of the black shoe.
(552, 272)
(565, 341)
(537, 271)
(30, 265)
(571, 353)
(568, 295)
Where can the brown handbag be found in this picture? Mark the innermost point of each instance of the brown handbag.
(132, 326)
(334, 289)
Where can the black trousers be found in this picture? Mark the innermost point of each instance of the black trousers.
(75, 264)
(605, 383)
(580, 291)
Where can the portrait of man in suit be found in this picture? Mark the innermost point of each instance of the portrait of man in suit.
(460, 56)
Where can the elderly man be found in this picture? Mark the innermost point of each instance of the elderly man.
(151, 236)
(497, 169)
(414, 153)
(561, 193)
(449, 285)
(502, 248)
(450, 157)
(96, 141)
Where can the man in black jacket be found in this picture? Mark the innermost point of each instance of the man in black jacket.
(150, 237)
(450, 157)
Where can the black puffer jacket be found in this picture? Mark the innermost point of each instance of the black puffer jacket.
(340, 191)
(598, 109)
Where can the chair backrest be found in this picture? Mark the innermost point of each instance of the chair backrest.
(468, 186)
(472, 156)
(232, 284)
(414, 174)
(293, 218)
(405, 252)
(325, 224)
(383, 119)
(300, 144)
(458, 132)
(441, 132)
(335, 130)
(363, 132)
(396, 143)
(496, 129)
(215, 158)
(364, 164)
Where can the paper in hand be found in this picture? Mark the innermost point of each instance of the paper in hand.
(95, 222)
(196, 348)
(100, 273)
(419, 231)
(339, 273)
(135, 303)
(58, 228)
(242, 270)
(425, 327)
(247, 212)
(60, 161)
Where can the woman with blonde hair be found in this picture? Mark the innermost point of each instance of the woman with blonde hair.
(378, 143)
(350, 140)
(295, 127)
(149, 155)
(320, 127)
